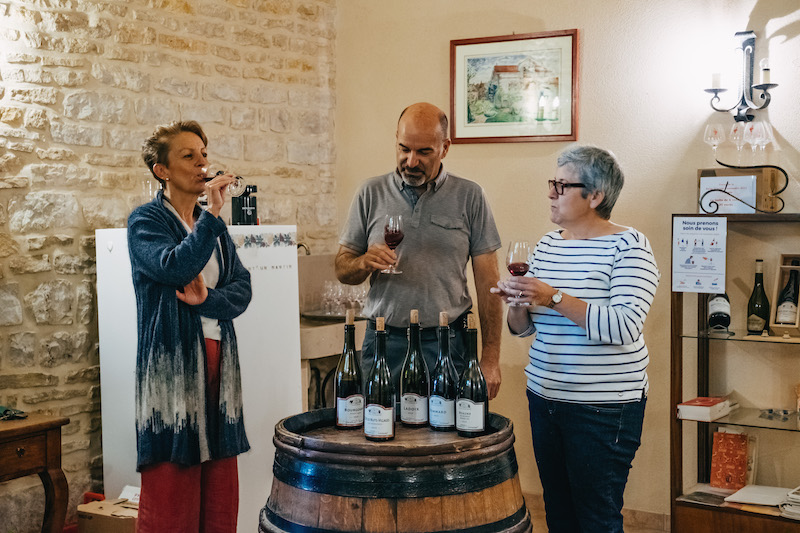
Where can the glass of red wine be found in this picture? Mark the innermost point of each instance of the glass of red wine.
(393, 235)
(518, 259)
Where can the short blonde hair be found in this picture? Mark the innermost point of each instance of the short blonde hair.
(156, 148)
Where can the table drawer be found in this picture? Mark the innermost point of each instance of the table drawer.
(21, 456)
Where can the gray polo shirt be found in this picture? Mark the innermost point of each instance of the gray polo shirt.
(450, 222)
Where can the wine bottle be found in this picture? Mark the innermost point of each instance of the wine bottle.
(348, 386)
(379, 412)
(719, 311)
(472, 403)
(414, 380)
(758, 306)
(787, 299)
(444, 381)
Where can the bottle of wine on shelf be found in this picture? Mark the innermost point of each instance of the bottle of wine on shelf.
(472, 403)
(758, 306)
(787, 299)
(380, 395)
(414, 380)
(444, 382)
(719, 312)
(348, 386)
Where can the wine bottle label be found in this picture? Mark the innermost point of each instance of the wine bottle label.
(755, 323)
(469, 415)
(442, 412)
(787, 313)
(350, 411)
(378, 421)
(719, 305)
(413, 408)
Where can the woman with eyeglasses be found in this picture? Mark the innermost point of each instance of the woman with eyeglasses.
(585, 297)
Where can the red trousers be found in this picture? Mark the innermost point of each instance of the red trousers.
(190, 499)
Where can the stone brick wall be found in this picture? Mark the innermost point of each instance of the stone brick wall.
(82, 84)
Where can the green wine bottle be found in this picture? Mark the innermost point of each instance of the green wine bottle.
(758, 306)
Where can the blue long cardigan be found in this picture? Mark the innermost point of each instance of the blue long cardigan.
(172, 422)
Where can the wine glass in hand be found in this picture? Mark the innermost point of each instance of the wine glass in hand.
(236, 188)
(518, 259)
(393, 235)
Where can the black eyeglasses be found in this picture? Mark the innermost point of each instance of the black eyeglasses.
(560, 186)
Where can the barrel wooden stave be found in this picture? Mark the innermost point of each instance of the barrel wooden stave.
(492, 502)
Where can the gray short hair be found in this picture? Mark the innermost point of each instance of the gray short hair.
(599, 170)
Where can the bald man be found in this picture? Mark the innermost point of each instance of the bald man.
(447, 221)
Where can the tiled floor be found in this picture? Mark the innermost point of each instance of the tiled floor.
(536, 508)
(539, 526)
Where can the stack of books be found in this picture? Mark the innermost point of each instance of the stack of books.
(706, 408)
(790, 508)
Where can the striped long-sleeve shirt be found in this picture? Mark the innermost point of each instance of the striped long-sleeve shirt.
(617, 276)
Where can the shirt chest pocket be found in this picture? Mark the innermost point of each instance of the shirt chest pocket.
(450, 234)
(445, 222)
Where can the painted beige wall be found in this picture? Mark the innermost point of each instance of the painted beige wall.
(643, 65)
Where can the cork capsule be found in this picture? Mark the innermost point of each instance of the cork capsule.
(350, 317)
(443, 319)
(415, 316)
(470, 321)
(379, 324)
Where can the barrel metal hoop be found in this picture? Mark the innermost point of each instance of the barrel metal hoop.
(501, 525)
(395, 482)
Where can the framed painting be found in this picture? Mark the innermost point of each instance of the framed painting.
(514, 88)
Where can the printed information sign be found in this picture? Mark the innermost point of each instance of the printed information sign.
(698, 254)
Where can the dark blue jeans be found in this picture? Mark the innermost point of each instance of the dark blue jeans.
(397, 346)
(584, 453)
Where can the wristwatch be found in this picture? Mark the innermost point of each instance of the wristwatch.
(556, 299)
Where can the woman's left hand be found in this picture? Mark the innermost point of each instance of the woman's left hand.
(195, 292)
(524, 290)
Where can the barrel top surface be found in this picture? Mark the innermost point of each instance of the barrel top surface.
(315, 430)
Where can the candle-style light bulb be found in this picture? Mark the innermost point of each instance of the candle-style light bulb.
(764, 65)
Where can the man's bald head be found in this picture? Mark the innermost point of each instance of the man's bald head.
(422, 143)
(425, 114)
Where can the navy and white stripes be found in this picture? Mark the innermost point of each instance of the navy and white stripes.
(617, 276)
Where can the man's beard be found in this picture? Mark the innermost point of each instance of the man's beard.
(415, 180)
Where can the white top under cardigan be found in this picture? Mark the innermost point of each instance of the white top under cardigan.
(211, 329)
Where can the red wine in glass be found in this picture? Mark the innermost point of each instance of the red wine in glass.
(393, 236)
(517, 260)
(518, 269)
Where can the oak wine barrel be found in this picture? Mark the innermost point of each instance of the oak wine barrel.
(329, 480)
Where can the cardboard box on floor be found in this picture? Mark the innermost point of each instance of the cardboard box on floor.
(108, 516)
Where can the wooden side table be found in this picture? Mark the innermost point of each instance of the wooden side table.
(33, 446)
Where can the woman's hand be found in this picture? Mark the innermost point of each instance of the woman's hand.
(216, 192)
(195, 292)
(524, 291)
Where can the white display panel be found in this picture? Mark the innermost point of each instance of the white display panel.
(268, 335)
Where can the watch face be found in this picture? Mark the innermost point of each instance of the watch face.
(557, 297)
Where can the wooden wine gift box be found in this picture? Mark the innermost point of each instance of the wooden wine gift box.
(781, 278)
(767, 181)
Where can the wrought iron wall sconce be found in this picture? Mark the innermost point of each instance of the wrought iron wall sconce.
(741, 111)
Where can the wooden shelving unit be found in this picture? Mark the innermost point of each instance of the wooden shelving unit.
(689, 517)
